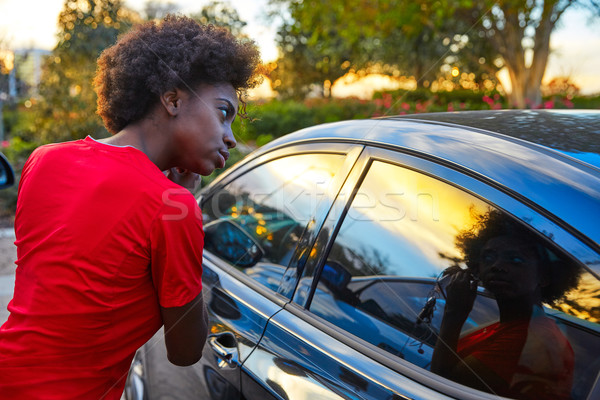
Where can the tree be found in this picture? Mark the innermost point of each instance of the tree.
(518, 32)
(314, 51)
(301, 68)
(386, 36)
(157, 9)
(417, 37)
(222, 14)
(67, 109)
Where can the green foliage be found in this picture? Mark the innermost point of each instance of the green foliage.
(276, 118)
(157, 9)
(67, 106)
(420, 38)
(16, 152)
(586, 102)
(222, 14)
(323, 40)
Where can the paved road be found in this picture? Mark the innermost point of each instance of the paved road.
(8, 255)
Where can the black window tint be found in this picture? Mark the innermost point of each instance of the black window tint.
(387, 277)
(255, 221)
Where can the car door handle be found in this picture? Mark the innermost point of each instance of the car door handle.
(225, 345)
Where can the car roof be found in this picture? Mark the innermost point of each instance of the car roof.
(545, 157)
(573, 132)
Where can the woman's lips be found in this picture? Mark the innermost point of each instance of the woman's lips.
(497, 282)
(225, 156)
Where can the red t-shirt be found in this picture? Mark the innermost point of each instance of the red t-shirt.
(532, 357)
(103, 238)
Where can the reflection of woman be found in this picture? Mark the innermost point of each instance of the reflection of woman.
(109, 248)
(524, 355)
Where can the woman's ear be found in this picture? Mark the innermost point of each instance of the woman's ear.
(171, 101)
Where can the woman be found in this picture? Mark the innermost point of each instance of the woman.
(524, 355)
(109, 247)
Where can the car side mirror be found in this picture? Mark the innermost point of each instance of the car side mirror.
(335, 276)
(7, 176)
(229, 241)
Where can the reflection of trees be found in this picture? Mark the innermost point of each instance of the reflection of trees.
(584, 301)
(363, 261)
(275, 231)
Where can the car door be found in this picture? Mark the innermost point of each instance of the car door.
(367, 308)
(7, 177)
(256, 221)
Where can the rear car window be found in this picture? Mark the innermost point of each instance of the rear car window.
(436, 276)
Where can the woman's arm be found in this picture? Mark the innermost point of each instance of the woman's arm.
(186, 329)
(461, 296)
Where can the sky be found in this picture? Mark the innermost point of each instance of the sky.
(575, 43)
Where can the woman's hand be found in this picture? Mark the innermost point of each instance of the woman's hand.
(183, 177)
(460, 295)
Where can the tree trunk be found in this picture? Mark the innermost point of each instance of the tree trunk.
(541, 51)
(527, 80)
(517, 97)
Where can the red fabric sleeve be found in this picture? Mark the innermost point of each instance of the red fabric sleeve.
(177, 240)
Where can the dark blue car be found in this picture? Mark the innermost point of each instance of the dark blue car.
(329, 251)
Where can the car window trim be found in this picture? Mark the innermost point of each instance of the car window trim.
(403, 367)
(349, 151)
(281, 152)
(319, 217)
(245, 279)
(353, 183)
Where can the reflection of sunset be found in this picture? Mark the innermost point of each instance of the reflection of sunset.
(306, 178)
(269, 205)
(584, 302)
(423, 211)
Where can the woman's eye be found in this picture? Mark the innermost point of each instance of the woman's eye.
(517, 260)
(224, 111)
(488, 258)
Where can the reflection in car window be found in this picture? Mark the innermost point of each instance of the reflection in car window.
(255, 221)
(436, 276)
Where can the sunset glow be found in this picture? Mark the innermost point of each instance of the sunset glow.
(575, 43)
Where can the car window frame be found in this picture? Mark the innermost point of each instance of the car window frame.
(350, 151)
(468, 181)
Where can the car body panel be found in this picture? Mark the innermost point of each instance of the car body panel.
(298, 351)
(286, 352)
(237, 313)
(294, 338)
(575, 132)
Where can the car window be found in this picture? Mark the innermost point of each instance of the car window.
(440, 278)
(256, 221)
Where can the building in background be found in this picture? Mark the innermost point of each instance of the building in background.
(20, 77)
(28, 70)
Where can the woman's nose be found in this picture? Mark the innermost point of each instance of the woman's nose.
(229, 139)
(498, 265)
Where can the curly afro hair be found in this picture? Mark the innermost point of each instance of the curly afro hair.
(563, 273)
(176, 52)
